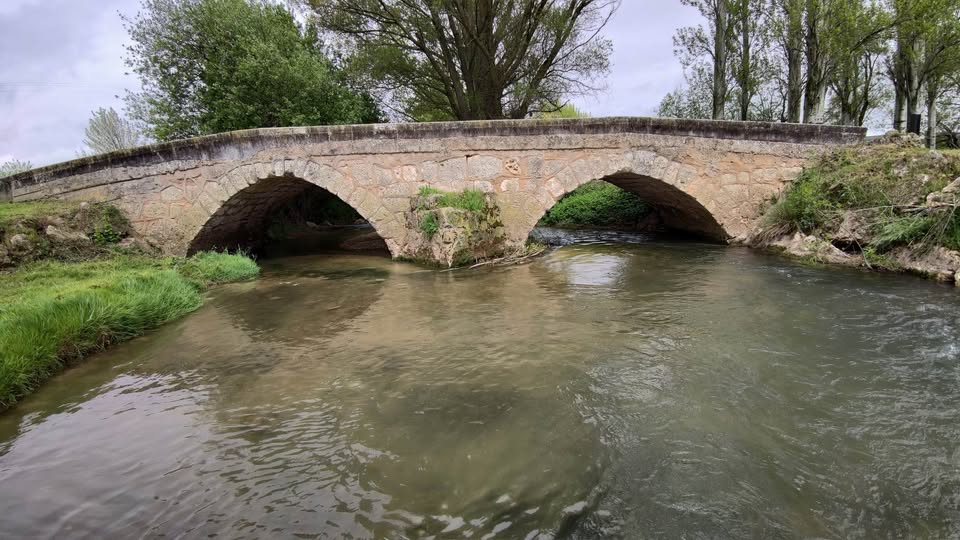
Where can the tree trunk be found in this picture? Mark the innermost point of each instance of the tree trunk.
(722, 22)
(745, 74)
(793, 10)
(816, 90)
(899, 109)
(932, 91)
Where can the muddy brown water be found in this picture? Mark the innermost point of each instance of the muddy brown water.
(606, 390)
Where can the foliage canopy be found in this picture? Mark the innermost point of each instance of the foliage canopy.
(209, 66)
(473, 59)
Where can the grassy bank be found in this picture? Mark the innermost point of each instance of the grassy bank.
(55, 311)
(597, 204)
(885, 201)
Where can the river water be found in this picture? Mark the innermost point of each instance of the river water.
(605, 390)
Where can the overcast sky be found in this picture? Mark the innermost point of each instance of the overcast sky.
(62, 59)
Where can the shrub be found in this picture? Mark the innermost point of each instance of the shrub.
(804, 207)
(111, 227)
(597, 204)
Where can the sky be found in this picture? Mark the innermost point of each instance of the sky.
(62, 59)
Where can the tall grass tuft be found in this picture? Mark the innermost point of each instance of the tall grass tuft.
(53, 313)
(469, 199)
(211, 267)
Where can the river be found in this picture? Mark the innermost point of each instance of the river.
(605, 390)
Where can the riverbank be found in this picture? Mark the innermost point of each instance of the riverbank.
(890, 205)
(65, 293)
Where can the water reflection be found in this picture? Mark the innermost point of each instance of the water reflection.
(605, 390)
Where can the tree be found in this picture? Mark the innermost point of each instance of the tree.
(750, 64)
(949, 114)
(14, 166)
(209, 66)
(473, 59)
(857, 43)
(927, 38)
(107, 131)
(692, 100)
(787, 26)
(714, 42)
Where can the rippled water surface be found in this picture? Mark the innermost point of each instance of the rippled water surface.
(655, 390)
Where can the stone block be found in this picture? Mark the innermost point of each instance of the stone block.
(510, 184)
(405, 173)
(171, 193)
(484, 167)
(452, 170)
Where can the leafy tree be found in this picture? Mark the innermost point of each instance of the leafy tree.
(473, 59)
(693, 99)
(107, 131)
(210, 66)
(714, 42)
(949, 114)
(13, 167)
(927, 39)
(858, 42)
(750, 65)
(786, 24)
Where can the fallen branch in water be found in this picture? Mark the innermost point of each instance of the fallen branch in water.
(516, 258)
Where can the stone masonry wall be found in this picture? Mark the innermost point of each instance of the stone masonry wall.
(706, 177)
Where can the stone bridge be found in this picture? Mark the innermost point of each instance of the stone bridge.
(706, 177)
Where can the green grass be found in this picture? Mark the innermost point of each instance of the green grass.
(11, 213)
(597, 204)
(429, 224)
(53, 313)
(212, 267)
(468, 199)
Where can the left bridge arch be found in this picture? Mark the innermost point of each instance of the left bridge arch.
(233, 209)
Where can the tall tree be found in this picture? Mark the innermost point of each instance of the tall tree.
(816, 54)
(750, 63)
(107, 131)
(473, 59)
(857, 41)
(693, 99)
(787, 26)
(713, 41)
(209, 66)
(927, 38)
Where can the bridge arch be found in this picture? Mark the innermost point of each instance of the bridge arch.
(235, 208)
(669, 187)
